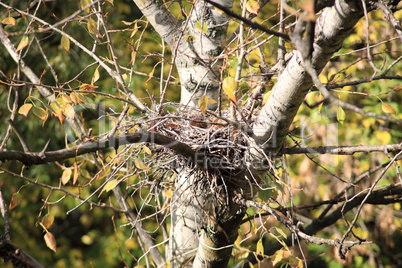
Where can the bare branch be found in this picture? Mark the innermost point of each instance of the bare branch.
(344, 150)
(93, 146)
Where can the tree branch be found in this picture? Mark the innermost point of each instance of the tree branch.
(343, 150)
(93, 146)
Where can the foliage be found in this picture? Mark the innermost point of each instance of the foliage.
(66, 213)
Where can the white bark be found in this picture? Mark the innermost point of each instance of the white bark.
(332, 27)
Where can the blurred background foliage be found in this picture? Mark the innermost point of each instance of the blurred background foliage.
(98, 237)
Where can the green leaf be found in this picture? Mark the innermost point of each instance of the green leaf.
(340, 115)
(47, 221)
(201, 26)
(40, 113)
(110, 185)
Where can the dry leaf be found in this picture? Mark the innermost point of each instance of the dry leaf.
(24, 109)
(252, 6)
(50, 241)
(9, 21)
(388, 108)
(88, 87)
(15, 200)
(95, 76)
(23, 43)
(92, 28)
(65, 43)
(66, 176)
(141, 165)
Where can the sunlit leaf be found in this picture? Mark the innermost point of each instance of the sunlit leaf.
(147, 150)
(65, 43)
(110, 185)
(92, 27)
(278, 256)
(201, 26)
(47, 221)
(110, 1)
(66, 176)
(260, 247)
(252, 6)
(8, 21)
(40, 113)
(340, 115)
(23, 43)
(15, 200)
(388, 108)
(50, 241)
(229, 85)
(24, 109)
(95, 76)
(141, 165)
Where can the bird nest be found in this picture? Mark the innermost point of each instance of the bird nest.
(219, 144)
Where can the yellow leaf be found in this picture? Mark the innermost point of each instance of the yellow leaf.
(50, 241)
(92, 28)
(266, 96)
(147, 150)
(383, 136)
(95, 76)
(88, 87)
(9, 21)
(150, 75)
(340, 115)
(47, 221)
(260, 247)
(65, 43)
(85, 3)
(203, 102)
(168, 193)
(15, 200)
(66, 176)
(229, 85)
(40, 113)
(24, 109)
(141, 165)
(388, 108)
(252, 6)
(76, 173)
(110, 185)
(23, 43)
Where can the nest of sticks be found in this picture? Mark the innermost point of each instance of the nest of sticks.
(220, 144)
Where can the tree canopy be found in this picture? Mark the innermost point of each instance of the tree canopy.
(200, 133)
